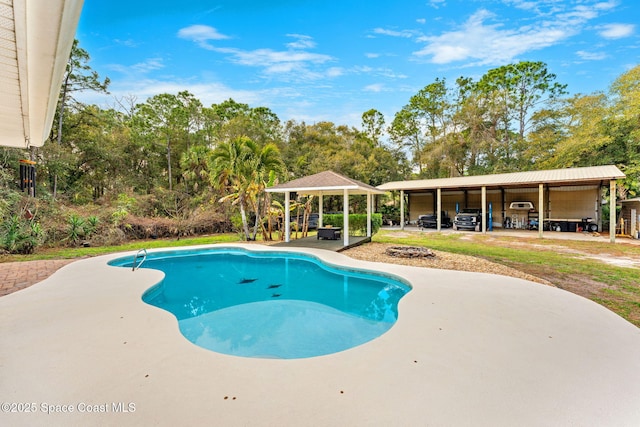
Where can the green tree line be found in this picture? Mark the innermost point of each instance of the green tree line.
(173, 157)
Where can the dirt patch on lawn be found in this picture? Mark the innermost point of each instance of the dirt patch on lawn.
(376, 252)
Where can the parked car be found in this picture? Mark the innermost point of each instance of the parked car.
(468, 219)
(431, 220)
(313, 221)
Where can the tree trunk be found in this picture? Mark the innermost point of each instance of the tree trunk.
(267, 231)
(169, 162)
(256, 209)
(63, 101)
(245, 223)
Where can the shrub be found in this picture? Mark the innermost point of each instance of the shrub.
(21, 236)
(90, 225)
(357, 222)
(75, 228)
(390, 214)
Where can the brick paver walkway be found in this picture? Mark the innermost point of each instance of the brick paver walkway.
(19, 275)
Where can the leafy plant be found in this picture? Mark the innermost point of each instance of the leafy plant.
(20, 236)
(236, 223)
(90, 225)
(125, 204)
(390, 214)
(75, 230)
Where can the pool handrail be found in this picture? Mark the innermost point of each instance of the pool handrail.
(135, 258)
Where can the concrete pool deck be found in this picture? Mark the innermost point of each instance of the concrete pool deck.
(468, 349)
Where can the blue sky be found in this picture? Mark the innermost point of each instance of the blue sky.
(333, 60)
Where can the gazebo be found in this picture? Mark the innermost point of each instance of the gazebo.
(327, 183)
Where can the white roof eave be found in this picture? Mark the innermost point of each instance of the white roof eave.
(36, 41)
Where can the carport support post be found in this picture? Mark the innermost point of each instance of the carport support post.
(484, 209)
(345, 219)
(401, 209)
(612, 211)
(287, 217)
(439, 207)
(540, 209)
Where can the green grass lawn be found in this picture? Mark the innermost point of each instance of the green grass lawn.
(79, 252)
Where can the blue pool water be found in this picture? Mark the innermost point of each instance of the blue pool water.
(271, 304)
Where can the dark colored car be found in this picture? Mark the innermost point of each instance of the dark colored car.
(313, 221)
(468, 219)
(431, 220)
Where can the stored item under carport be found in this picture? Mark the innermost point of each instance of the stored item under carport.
(570, 225)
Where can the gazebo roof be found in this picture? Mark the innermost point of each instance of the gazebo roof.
(325, 183)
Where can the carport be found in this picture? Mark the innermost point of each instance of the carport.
(559, 196)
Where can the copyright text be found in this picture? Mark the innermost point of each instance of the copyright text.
(81, 407)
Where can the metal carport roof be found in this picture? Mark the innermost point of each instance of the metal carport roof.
(568, 176)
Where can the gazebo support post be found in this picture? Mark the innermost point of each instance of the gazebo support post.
(401, 209)
(369, 196)
(287, 217)
(345, 215)
(320, 213)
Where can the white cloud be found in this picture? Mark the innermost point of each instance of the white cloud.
(606, 5)
(208, 93)
(149, 65)
(484, 39)
(302, 42)
(379, 72)
(335, 72)
(139, 68)
(126, 43)
(201, 34)
(591, 56)
(616, 31)
(421, 21)
(523, 4)
(294, 63)
(372, 55)
(376, 87)
(403, 33)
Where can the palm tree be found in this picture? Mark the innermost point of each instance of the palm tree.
(194, 165)
(241, 167)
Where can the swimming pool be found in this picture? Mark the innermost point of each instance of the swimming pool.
(271, 304)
